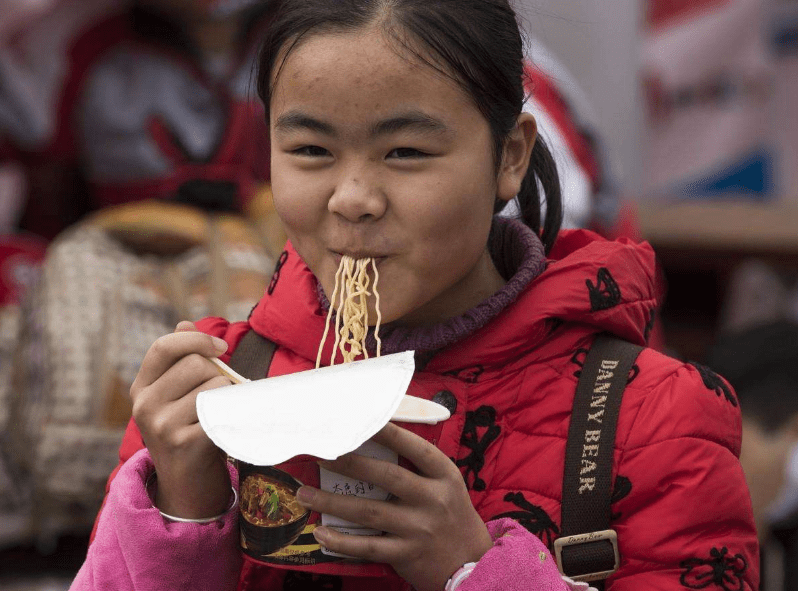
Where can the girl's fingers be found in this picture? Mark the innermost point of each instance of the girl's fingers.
(383, 549)
(185, 326)
(169, 349)
(184, 409)
(429, 460)
(171, 403)
(188, 373)
(164, 424)
(369, 513)
(389, 476)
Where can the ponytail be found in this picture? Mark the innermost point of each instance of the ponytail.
(541, 175)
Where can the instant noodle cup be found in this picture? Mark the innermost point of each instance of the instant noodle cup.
(271, 518)
(322, 413)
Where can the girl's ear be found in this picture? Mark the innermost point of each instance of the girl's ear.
(515, 157)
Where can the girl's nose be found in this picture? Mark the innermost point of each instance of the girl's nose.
(357, 199)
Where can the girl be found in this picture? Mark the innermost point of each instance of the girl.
(397, 134)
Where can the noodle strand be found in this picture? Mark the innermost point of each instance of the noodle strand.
(377, 307)
(329, 315)
(352, 282)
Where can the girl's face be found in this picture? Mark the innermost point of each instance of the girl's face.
(375, 154)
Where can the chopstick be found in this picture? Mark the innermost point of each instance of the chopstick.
(228, 371)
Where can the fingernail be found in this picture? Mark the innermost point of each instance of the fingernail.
(321, 534)
(305, 495)
(219, 344)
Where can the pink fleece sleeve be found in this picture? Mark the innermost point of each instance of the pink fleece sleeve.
(135, 548)
(518, 561)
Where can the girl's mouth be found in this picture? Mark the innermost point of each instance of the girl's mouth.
(378, 259)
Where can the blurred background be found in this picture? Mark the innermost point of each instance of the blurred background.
(134, 192)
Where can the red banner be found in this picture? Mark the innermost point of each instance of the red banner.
(664, 12)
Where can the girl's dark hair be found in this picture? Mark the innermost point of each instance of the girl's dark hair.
(477, 43)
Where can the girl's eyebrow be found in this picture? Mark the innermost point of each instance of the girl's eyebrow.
(412, 120)
(295, 121)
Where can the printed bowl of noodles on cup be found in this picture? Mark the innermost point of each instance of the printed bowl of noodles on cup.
(271, 517)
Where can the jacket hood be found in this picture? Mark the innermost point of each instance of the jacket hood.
(607, 286)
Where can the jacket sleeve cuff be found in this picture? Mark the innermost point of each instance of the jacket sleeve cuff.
(136, 547)
(518, 561)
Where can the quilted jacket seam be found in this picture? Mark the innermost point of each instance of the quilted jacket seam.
(653, 392)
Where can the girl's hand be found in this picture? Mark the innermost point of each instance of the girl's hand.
(431, 527)
(193, 481)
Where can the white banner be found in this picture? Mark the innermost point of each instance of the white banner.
(720, 88)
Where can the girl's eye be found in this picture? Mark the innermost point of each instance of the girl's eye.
(406, 153)
(313, 151)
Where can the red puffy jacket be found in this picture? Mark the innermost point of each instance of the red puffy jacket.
(680, 506)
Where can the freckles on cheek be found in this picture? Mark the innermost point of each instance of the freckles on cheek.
(295, 211)
(449, 244)
(295, 215)
(457, 221)
(435, 208)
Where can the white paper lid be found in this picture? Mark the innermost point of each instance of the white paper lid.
(324, 412)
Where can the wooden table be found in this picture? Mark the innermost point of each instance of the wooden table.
(699, 244)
